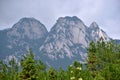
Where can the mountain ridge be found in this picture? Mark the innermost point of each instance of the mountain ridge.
(64, 43)
(68, 40)
(25, 34)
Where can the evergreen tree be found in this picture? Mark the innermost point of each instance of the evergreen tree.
(52, 74)
(9, 71)
(28, 65)
(13, 69)
(3, 70)
(92, 59)
(41, 70)
(61, 74)
(103, 60)
(75, 71)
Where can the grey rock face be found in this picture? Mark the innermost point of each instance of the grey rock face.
(67, 32)
(96, 33)
(28, 28)
(68, 40)
(26, 33)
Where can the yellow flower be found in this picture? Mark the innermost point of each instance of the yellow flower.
(70, 65)
(72, 78)
(71, 71)
(80, 79)
(79, 68)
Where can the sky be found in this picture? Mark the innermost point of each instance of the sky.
(105, 12)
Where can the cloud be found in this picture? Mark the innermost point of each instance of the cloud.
(105, 12)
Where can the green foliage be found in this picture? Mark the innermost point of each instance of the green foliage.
(3, 70)
(99, 77)
(28, 65)
(75, 71)
(92, 59)
(86, 75)
(13, 69)
(104, 60)
(9, 71)
(52, 74)
(41, 70)
(61, 74)
(103, 63)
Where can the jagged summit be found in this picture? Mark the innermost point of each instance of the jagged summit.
(69, 38)
(68, 18)
(67, 23)
(27, 19)
(65, 40)
(27, 22)
(94, 25)
(28, 27)
(97, 33)
(73, 18)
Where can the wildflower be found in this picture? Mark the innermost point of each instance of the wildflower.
(72, 78)
(79, 68)
(70, 65)
(80, 79)
(71, 71)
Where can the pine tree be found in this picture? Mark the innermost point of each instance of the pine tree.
(92, 59)
(62, 75)
(104, 60)
(28, 65)
(52, 74)
(41, 70)
(3, 70)
(13, 69)
(75, 71)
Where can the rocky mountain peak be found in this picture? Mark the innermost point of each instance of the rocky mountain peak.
(73, 18)
(94, 25)
(28, 27)
(97, 33)
(65, 39)
(68, 19)
(64, 43)
(71, 28)
(26, 33)
(27, 19)
(25, 22)
(68, 23)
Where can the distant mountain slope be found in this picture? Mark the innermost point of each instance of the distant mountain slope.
(26, 33)
(117, 41)
(68, 39)
(64, 43)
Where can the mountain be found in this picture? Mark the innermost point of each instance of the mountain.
(26, 33)
(96, 33)
(117, 41)
(68, 39)
(64, 43)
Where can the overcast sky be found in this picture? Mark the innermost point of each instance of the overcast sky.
(105, 12)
